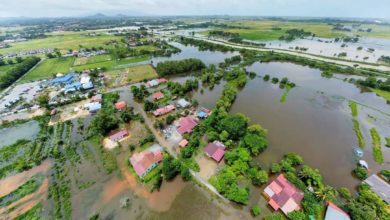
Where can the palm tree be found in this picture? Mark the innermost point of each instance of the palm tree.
(326, 193)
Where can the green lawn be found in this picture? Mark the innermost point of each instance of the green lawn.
(130, 75)
(384, 94)
(62, 41)
(48, 67)
(113, 64)
(98, 58)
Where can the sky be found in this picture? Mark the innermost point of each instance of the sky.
(307, 8)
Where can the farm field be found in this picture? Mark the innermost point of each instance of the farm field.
(94, 59)
(112, 64)
(63, 41)
(130, 75)
(49, 67)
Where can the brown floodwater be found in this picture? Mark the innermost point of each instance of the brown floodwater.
(314, 122)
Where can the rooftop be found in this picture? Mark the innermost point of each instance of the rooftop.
(158, 95)
(215, 150)
(119, 135)
(144, 161)
(120, 105)
(335, 213)
(283, 195)
(186, 124)
(163, 110)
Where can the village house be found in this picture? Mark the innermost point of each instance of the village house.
(146, 160)
(379, 186)
(121, 105)
(158, 95)
(186, 124)
(93, 107)
(163, 110)
(335, 213)
(97, 98)
(215, 150)
(183, 143)
(62, 80)
(155, 82)
(182, 103)
(283, 195)
(119, 135)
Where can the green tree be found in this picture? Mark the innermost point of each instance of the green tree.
(255, 210)
(43, 100)
(235, 125)
(296, 215)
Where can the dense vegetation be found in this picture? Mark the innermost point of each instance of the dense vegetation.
(172, 67)
(17, 71)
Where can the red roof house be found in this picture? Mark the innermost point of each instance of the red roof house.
(163, 110)
(96, 98)
(158, 96)
(183, 143)
(120, 105)
(283, 195)
(186, 124)
(119, 135)
(146, 160)
(215, 150)
(162, 80)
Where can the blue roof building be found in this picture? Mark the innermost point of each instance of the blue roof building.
(201, 114)
(88, 85)
(72, 87)
(66, 79)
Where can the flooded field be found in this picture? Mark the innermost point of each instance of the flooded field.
(327, 47)
(10, 135)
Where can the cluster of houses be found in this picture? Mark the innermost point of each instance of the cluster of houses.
(85, 53)
(71, 82)
(26, 53)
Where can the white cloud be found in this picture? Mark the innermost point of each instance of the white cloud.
(50, 8)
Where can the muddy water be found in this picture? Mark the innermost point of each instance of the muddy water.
(208, 57)
(315, 121)
(10, 135)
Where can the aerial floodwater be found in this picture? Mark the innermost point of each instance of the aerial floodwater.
(127, 110)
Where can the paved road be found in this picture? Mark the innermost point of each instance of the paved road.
(170, 149)
(315, 57)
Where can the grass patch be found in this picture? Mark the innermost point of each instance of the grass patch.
(5, 68)
(98, 58)
(80, 61)
(34, 213)
(353, 107)
(283, 98)
(108, 158)
(384, 94)
(113, 64)
(47, 68)
(131, 75)
(63, 41)
(10, 151)
(358, 133)
(376, 140)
